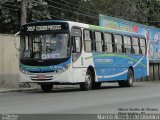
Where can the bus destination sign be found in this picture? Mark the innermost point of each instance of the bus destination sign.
(44, 28)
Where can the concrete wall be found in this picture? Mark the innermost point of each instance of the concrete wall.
(8, 61)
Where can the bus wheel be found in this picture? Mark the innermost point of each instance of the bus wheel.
(130, 79)
(96, 85)
(46, 87)
(87, 85)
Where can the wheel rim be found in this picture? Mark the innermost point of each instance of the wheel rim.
(88, 81)
(131, 78)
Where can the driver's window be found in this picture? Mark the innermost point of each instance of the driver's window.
(76, 43)
(76, 40)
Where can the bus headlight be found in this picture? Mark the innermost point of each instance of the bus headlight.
(23, 71)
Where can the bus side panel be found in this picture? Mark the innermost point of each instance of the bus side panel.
(111, 74)
(113, 67)
(140, 73)
(78, 74)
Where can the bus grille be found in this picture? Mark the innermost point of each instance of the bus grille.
(42, 71)
(41, 77)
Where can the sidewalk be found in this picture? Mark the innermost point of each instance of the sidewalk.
(4, 90)
(33, 87)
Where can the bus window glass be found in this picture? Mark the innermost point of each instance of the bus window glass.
(78, 44)
(142, 46)
(26, 43)
(127, 44)
(88, 41)
(118, 42)
(108, 42)
(135, 45)
(98, 39)
(49, 46)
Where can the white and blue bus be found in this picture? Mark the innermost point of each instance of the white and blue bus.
(64, 52)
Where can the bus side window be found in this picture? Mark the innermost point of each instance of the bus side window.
(127, 44)
(142, 46)
(118, 42)
(98, 41)
(108, 42)
(88, 40)
(135, 45)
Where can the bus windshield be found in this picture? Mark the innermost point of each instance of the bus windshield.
(44, 47)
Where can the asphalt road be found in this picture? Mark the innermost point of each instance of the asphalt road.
(143, 97)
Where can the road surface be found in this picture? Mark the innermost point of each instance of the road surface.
(143, 97)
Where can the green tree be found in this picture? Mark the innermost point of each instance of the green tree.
(86, 11)
(37, 10)
(9, 16)
(10, 13)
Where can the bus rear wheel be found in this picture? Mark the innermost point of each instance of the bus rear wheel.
(87, 84)
(129, 81)
(46, 86)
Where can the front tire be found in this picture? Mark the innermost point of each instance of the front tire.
(87, 85)
(46, 87)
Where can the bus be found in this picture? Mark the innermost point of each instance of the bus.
(59, 52)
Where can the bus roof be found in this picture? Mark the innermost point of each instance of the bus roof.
(93, 27)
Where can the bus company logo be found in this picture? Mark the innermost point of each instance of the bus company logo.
(109, 61)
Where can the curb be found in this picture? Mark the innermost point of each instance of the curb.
(4, 90)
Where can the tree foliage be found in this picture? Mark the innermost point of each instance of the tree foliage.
(87, 11)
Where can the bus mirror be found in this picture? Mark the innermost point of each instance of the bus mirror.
(16, 40)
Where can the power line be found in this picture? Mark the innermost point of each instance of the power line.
(10, 5)
(75, 12)
(9, 8)
(83, 14)
(78, 6)
(92, 16)
(53, 15)
(72, 8)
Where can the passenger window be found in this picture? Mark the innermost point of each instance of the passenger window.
(98, 40)
(143, 46)
(108, 42)
(118, 43)
(135, 45)
(127, 44)
(88, 40)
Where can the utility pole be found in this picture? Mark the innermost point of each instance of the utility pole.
(23, 11)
